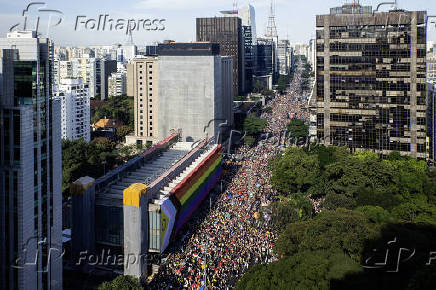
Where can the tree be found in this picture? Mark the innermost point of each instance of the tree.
(259, 87)
(305, 270)
(295, 172)
(328, 154)
(268, 110)
(283, 213)
(240, 98)
(341, 229)
(122, 132)
(254, 125)
(117, 107)
(376, 214)
(298, 129)
(249, 140)
(122, 282)
(268, 93)
(283, 82)
(334, 201)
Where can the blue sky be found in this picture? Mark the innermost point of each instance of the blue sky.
(295, 18)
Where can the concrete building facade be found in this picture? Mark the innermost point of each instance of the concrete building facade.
(194, 87)
(185, 87)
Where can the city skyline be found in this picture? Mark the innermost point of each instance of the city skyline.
(295, 21)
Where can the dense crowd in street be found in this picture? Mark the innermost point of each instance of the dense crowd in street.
(233, 234)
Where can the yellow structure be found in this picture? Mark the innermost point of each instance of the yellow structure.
(132, 194)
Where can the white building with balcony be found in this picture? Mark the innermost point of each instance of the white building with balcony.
(74, 97)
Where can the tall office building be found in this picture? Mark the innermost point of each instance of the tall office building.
(228, 33)
(371, 79)
(107, 67)
(431, 68)
(142, 84)
(284, 57)
(431, 121)
(248, 20)
(75, 109)
(30, 166)
(265, 62)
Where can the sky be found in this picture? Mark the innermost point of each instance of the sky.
(295, 19)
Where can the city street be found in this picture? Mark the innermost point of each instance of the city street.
(229, 238)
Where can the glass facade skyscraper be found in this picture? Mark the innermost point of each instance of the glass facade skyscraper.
(371, 80)
(30, 166)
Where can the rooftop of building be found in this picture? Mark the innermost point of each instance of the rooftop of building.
(145, 174)
(107, 123)
(160, 168)
(188, 49)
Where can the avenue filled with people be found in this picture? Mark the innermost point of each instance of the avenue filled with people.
(232, 233)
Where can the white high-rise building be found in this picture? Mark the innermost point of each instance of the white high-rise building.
(74, 97)
(117, 84)
(431, 69)
(284, 57)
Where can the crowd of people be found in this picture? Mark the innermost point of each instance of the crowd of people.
(229, 236)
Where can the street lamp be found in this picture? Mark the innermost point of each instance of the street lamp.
(104, 167)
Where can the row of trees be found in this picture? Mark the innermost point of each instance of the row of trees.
(368, 202)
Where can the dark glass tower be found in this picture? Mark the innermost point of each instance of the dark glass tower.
(30, 166)
(371, 74)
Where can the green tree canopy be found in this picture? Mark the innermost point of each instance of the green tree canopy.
(298, 129)
(122, 282)
(254, 125)
(295, 171)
